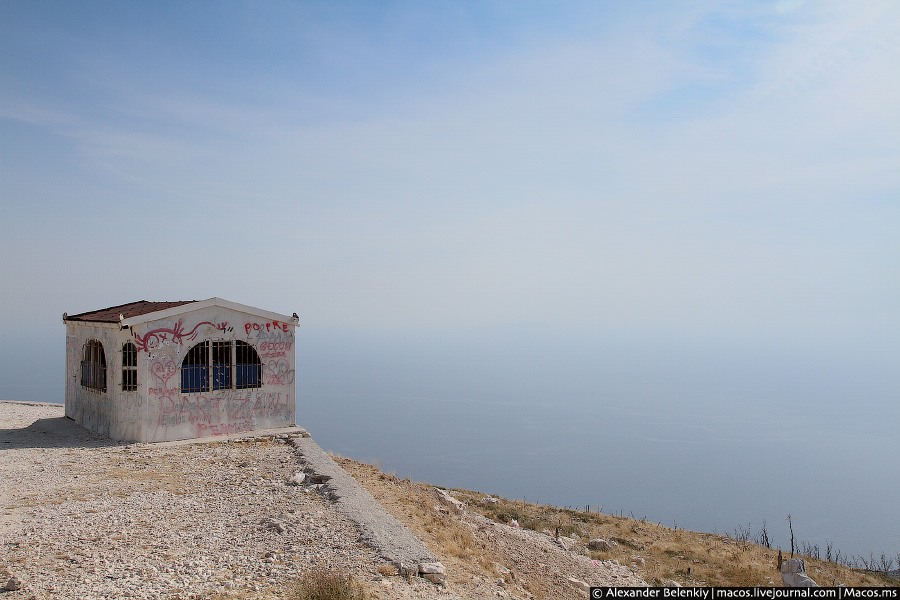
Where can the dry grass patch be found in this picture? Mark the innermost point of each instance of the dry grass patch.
(325, 585)
(417, 506)
(537, 591)
(687, 557)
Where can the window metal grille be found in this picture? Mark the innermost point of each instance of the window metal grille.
(229, 365)
(248, 366)
(93, 366)
(195, 369)
(129, 367)
(221, 361)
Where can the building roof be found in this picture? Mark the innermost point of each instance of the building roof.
(142, 311)
(132, 309)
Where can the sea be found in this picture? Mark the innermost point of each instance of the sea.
(706, 435)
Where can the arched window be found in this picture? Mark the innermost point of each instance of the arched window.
(129, 367)
(229, 365)
(93, 366)
(248, 372)
(195, 369)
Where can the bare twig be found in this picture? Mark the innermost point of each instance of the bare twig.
(791, 527)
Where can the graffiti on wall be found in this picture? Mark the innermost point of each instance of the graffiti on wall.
(204, 430)
(220, 414)
(163, 371)
(274, 341)
(278, 372)
(267, 327)
(177, 334)
(277, 349)
(222, 411)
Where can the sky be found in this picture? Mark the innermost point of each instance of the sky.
(691, 170)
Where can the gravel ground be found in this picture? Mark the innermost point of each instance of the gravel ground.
(85, 517)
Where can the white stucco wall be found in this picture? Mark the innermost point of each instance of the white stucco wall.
(113, 413)
(159, 410)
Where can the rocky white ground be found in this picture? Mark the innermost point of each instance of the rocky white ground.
(83, 517)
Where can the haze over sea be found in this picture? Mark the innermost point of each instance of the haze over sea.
(710, 438)
(636, 255)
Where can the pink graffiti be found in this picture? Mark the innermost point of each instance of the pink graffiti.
(229, 408)
(279, 373)
(204, 430)
(274, 349)
(164, 371)
(195, 409)
(153, 337)
(268, 326)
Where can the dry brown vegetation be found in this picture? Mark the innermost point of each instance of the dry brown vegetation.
(414, 505)
(473, 566)
(326, 585)
(685, 557)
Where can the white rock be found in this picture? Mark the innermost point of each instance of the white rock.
(438, 578)
(434, 567)
(793, 574)
(583, 586)
(566, 543)
(599, 544)
(449, 500)
(407, 569)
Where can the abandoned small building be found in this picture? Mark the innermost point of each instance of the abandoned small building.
(162, 371)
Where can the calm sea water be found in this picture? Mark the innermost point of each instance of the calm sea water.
(702, 436)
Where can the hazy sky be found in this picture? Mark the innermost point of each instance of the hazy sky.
(701, 169)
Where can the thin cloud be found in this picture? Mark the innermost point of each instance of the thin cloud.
(692, 170)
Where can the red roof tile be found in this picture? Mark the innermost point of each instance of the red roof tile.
(132, 309)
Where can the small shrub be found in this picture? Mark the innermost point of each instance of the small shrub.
(627, 543)
(327, 585)
(506, 516)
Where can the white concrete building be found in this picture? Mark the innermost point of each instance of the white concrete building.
(160, 371)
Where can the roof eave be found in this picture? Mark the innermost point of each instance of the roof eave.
(107, 324)
(201, 304)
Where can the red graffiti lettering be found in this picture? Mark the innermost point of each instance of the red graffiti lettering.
(266, 327)
(204, 430)
(152, 338)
